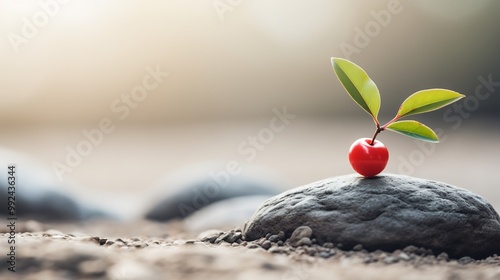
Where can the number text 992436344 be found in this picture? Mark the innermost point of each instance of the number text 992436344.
(11, 217)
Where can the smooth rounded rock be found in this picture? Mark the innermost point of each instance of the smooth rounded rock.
(204, 187)
(387, 212)
(225, 214)
(36, 195)
(299, 234)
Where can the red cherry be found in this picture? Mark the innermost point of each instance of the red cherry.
(368, 160)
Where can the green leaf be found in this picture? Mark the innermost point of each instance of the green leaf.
(414, 129)
(359, 86)
(428, 100)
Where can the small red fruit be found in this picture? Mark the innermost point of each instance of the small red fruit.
(368, 160)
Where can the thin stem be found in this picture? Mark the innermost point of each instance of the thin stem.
(382, 128)
(391, 121)
(379, 129)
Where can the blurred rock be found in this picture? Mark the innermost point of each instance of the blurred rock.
(37, 195)
(207, 187)
(225, 214)
(387, 212)
(48, 205)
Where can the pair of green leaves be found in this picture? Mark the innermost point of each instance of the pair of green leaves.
(365, 93)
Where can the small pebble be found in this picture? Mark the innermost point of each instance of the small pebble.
(210, 239)
(223, 237)
(277, 250)
(252, 246)
(443, 257)
(266, 244)
(121, 241)
(403, 256)
(299, 233)
(273, 238)
(92, 239)
(327, 254)
(210, 233)
(358, 247)
(390, 260)
(140, 244)
(311, 251)
(328, 245)
(305, 241)
(466, 260)
(417, 251)
(369, 259)
(233, 237)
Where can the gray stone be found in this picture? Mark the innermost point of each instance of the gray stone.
(223, 237)
(299, 233)
(304, 241)
(233, 237)
(443, 257)
(387, 212)
(252, 246)
(466, 260)
(38, 195)
(327, 254)
(277, 237)
(328, 245)
(403, 256)
(278, 250)
(358, 247)
(390, 260)
(210, 235)
(225, 214)
(205, 188)
(266, 244)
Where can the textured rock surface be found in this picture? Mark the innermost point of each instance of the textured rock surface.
(387, 212)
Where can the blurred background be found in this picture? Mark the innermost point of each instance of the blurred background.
(68, 65)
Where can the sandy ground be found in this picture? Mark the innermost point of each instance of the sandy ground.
(145, 250)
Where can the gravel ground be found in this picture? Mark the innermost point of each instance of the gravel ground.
(146, 250)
